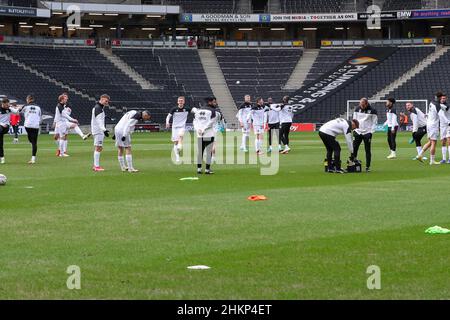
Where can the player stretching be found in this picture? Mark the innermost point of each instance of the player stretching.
(122, 135)
(204, 120)
(433, 127)
(419, 123)
(98, 129)
(179, 116)
(256, 117)
(63, 124)
(32, 113)
(5, 111)
(242, 116)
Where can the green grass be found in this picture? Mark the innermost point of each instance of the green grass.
(133, 235)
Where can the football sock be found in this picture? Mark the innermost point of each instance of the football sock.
(96, 159)
(129, 159)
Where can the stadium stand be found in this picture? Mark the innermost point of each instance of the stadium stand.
(301, 6)
(86, 70)
(170, 67)
(261, 72)
(17, 83)
(327, 60)
(425, 84)
(19, 3)
(402, 5)
(403, 59)
(205, 6)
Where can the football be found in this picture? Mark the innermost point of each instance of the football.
(2, 179)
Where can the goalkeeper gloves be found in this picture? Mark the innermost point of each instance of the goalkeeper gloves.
(106, 133)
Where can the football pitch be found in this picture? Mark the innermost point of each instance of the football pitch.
(134, 235)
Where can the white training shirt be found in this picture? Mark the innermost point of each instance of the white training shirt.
(391, 118)
(272, 115)
(256, 116)
(286, 113)
(418, 119)
(126, 124)
(243, 112)
(179, 117)
(4, 115)
(433, 114)
(32, 114)
(65, 115)
(339, 126)
(98, 119)
(204, 119)
(444, 116)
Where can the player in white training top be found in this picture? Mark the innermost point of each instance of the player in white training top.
(242, 116)
(256, 118)
(433, 127)
(122, 135)
(178, 115)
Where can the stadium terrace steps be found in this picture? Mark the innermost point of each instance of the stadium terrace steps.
(425, 84)
(219, 86)
(45, 77)
(302, 69)
(422, 65)
(127, 70)
(259, 72)
(387, 71)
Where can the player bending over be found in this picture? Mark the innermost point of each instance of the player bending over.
(419, 123)
(178, 115)
(122, 135)
(328, 133)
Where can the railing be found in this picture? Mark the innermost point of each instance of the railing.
(259, 44)
(378, 42)
(47, 41)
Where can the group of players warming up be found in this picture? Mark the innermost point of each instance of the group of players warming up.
(434, 124)
(260, 116)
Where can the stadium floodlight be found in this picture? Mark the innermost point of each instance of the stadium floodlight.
(57, 13)
(277, 29)
(95, 14)
(96, 25)
(310, 29)
(182, 29)
(2, 25)
(213, 29)
(339, 28)
(380, 106)
(245, 29)
(22, 22)
(153, 16)
(111, 14)
(436, 27)
(22, 26)
(41, 24)
(148, 29)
